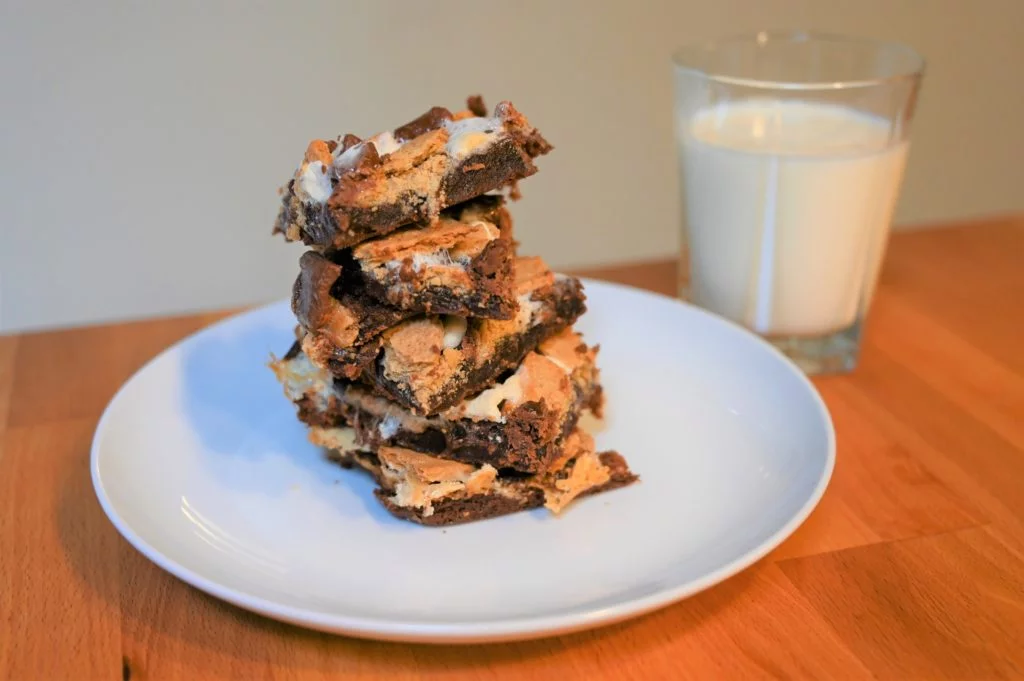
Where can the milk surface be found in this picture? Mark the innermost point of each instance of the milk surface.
(789, 205)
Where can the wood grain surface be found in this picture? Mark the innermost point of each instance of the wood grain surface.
(912, 567)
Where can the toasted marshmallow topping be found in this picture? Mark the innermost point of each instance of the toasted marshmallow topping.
(385, 143)
(487, 405)
(471, 136)
(454, 330)
(313, 184)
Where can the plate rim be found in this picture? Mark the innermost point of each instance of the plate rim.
(469, 631)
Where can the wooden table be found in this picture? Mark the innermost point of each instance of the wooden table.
(912, 566)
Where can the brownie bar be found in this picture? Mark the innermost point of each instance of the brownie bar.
(349, 190)
(520, 423)
(333, 306)
(432, 491)
(430, 364)
(460, 265)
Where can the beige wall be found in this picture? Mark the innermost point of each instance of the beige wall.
(142, 145)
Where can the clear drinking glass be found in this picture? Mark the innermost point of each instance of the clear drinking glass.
(791, 148)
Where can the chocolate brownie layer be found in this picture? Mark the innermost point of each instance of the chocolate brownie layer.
(348, 190)
(432, 491)
(460, 265)
(430, 364)
(519, 423)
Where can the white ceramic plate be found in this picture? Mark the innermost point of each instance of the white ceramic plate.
(200, 463)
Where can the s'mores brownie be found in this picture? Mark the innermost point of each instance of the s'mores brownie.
(433, 491)
(519, 423)
(461, 265)
(428, 354)
(349, 190)
(429, 364)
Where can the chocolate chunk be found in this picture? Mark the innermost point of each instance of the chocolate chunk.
(294, 351)
(349, 141)
(312, 289)
(367, 160)
(475, 103)
(341, 322)
(431, 120)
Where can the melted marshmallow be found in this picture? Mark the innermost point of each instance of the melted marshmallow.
(471, 136)
(314, 182)
(385, 143)
(388, 426)
(454, 331)
(486, 405)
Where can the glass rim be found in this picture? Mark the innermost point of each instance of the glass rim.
(682, 60)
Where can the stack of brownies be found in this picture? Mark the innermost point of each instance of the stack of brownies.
(428, 353)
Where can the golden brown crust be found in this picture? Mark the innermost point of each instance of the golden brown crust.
(578, 441)
(416, 344)
(532, 274)
(544, 381)
(318, 150)
(415, 152)
(416, 480)
(390, 185)
(427, 468)
(414, 352)
(338, 439)
(587, 472)
(458, 238)
(568, 350)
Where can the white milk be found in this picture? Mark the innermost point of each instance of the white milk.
(788, 210)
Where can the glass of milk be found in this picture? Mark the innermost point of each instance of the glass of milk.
(792, 147)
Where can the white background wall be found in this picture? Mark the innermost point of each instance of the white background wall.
(142, 144)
